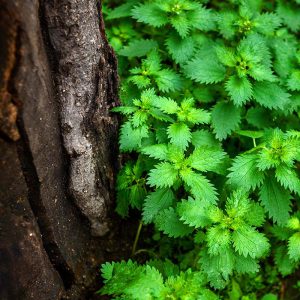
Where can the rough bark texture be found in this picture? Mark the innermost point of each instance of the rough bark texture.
(57, 149)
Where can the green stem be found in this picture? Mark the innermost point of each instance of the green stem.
(137, 238)
(254, 142)
(151, 253)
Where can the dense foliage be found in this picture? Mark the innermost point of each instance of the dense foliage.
(210, 95)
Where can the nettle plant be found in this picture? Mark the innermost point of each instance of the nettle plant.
(210, 95)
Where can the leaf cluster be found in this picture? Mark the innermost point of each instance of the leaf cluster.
(210, 109)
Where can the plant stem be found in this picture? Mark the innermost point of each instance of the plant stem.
(254, 142)
(136, 238)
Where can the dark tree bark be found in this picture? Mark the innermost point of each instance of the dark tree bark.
(58, 149)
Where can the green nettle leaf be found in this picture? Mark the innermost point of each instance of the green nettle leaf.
(164, 175)
(259, 117)
(130, 137)
(180, 49)
(218, 267)
(283, 262)
(159, 151)
(250, 133)
(138, 48)
(200, 186)
(206, 159)
(270, 95)
(246, 264)
(255, 215)
(289, 14)
(168, 222)
(293, 83)
(248, 241)
(120, 11)
(239, 89)
(181, 24)
(179, 134)
(267, 23)
(198, 116)
(288, 178)
(226, 56)
(168, 106)
(149, 13)
(218, 239)
(294, 246)
(244, 172)
(156, 202)
(168, 80)
(205, 71)
(193, 212)
(137, 195)
(225, 118)
(276, 200)
(204, 138)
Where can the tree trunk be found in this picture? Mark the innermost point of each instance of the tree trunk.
(58, 149)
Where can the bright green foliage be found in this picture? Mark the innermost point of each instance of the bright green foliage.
(132, 281)
(210, 106)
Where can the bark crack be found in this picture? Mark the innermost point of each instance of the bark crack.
(39, 211)
(31, 177)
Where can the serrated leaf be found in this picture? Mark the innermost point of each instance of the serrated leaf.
(239, 89)
(244, 172)
(288, 178)
(248, 241)
(180, 49)
(255, 215)
(205, 70)
(168, 222)
(224, 126)
(202, 18)
(246, 265)
(181, 24)
(156, 202)
(107, 271)
(164, 175)
(149, 13)
(198, 116)
(130, 137)
(120, 11)
(294, 247)
(270, 95)
(204, 138)
(138, 48)
(167, 80)
(193, 212)
(283, 262)
(226, 23)
(179, 134)
(226, 56)
(206, 158)
(260, 72)
(259, 117)
(218, 239)
(218, 267)
(159, 151)
(167, 105)
(200, 186)
(276, 200)
(293, 82)
(290, 15)
(125, 110)
(266, 23)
